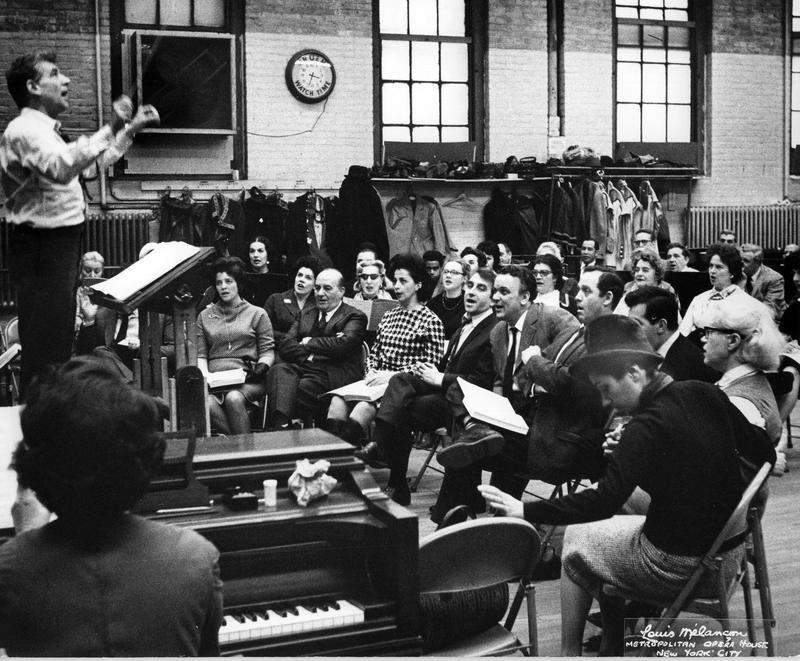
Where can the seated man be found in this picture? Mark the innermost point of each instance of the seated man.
(99, 581)
(522, 324)
(761, 282)
(320, 352)
(416, 400)
(657, 311)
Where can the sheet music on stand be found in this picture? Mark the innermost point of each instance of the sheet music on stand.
(140, 274)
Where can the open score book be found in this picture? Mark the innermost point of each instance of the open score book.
(491, 408)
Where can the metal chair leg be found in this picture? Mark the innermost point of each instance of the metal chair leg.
(415, 483)
(759, 560)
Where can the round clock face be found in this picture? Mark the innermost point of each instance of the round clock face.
(310, 76)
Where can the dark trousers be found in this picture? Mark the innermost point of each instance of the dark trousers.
(294, 390)
(460, 485)
(408, 404)
(44, 269)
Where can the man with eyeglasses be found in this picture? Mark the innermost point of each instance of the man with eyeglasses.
(320, 352)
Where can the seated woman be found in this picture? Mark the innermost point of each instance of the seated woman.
(449, 304)
(407, 336)
(569, 285)
(790, 321)
(741, 340)
(648, 270)
(492, 252)
(682, 446)
(370, 279)
(725, 269)
(99, 581)
(231, 334)
(549, 283)
(262, 283)
(284, 308)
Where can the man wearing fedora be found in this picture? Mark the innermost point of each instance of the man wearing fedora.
(682, 446)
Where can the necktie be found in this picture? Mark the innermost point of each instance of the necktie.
(749, 285)
(508, 375)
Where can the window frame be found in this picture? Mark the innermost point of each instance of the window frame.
(792, 38)
(475, 19)
(233, 27)
(693, 150)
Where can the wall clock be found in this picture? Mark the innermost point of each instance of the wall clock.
(310, 76)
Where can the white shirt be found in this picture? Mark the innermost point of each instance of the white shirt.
(700, 304)
(472, 325)
(518, 326)
(40, 171)
(550, 298)
(664, 348)
(325, 317)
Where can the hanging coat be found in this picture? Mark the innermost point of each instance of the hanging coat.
(265, 215)
(308, 228)
(414, 224)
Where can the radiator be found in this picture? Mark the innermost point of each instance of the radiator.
(770, 226)
(116, 235)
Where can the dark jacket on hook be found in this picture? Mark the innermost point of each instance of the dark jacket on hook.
(265, 215)
(305, 213)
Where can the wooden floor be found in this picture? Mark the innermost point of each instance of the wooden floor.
(782, 538)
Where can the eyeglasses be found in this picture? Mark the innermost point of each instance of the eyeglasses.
(369, 276)
(711, 329)
(641, 242)
(451, 272)
(542, 272)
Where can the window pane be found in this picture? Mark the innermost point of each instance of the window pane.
(654, 123)
(455, 104)
(175, 12)
(678, 56)
(629, 83)
(796, 25)
(795, 64)
(210, 13)
(652, 14)
(679, 84)
(629, 54)
(455, 134)
(424, 60)
(393, 16)
(425, 134)
(632, 3)
(396, 134)
(455, 62)
(396, 108)
(654, 83)
(795, 129)
(679, 124)
(626, 12)
(628, 123)
(654, 55)
(796, 91)
(627, 35)
(422, 16)
(451, 18)
(140, 11)
(425, 103)
(676, 15)
(677, 4)
(394, 60)
(651, 3)
(796, 7)
(653, 35)
(678, 37)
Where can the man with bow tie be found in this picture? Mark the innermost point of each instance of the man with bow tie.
(45, 204)
(320, 352)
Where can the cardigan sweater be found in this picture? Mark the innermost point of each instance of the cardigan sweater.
(681, 448)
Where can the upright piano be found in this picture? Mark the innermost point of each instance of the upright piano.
(336, 578)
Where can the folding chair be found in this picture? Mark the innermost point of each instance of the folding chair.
(738, 524)
(436, 441)
(490, 552)
(10, 351)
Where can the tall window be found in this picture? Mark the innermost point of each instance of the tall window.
(425, 73)
(655, 62)
(795, 96)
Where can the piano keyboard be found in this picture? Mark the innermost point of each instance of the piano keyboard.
(286, 619)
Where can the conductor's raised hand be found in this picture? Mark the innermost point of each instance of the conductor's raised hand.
(121, 113)
(501, 502)
(145, 116)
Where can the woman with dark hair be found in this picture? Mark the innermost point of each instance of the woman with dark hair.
(232, 334)
(99, 581)
(725, 269)
(284, 308)
(261, 283)
(648, 270)
(549, 275)
(449, 304)
(492, 252)
(408, 335)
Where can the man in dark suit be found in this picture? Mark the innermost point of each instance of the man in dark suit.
(522, 324)
(417, 401)
(657, 312)
(321, 351)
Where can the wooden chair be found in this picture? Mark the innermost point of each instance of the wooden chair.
(489, 552)
(738, 525)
